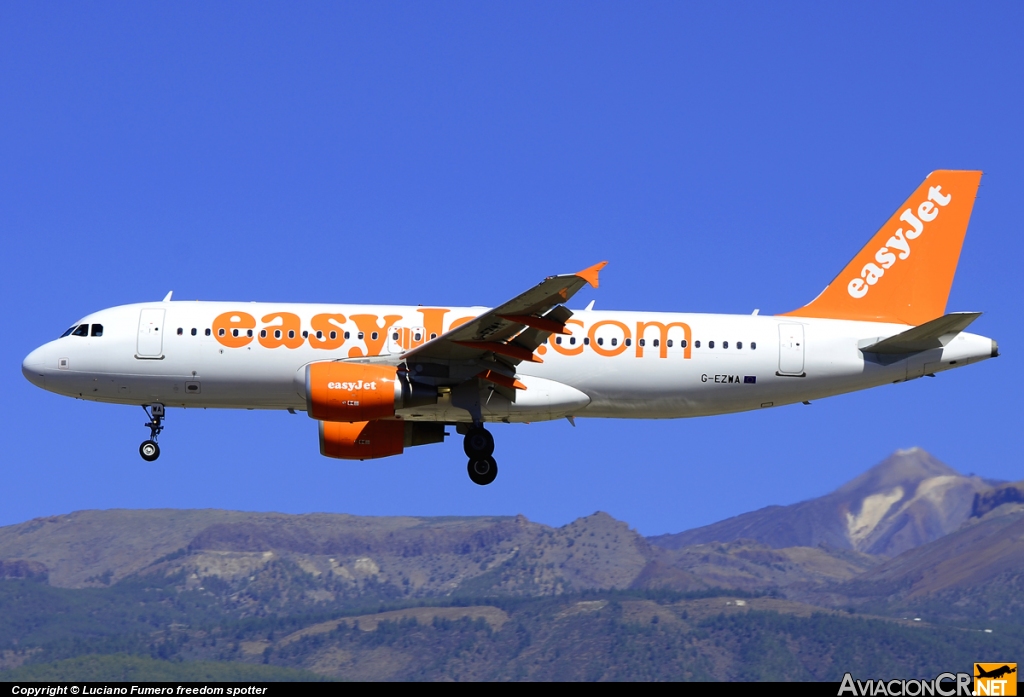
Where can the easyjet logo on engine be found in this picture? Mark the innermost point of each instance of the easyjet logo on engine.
(352, 386)
(898, 246)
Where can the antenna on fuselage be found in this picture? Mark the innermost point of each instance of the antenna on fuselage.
(167, 298)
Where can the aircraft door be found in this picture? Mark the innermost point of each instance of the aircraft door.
(151, 340)
(791, 349)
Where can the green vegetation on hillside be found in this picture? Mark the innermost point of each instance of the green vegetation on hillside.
(118, 667)
(133, 630)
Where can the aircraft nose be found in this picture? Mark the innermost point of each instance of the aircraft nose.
(33, 367)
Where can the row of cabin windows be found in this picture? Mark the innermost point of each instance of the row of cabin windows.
(277, 333)
(655, 343)
(83, 330)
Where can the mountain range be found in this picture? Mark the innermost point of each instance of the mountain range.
(911, 537)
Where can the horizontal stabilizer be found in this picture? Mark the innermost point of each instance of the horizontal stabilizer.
(934, 334)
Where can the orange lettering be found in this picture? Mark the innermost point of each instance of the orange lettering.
(287, 334)
(567, 351)
(369, 327)
(601, 350)
(327, 324)
(232, 329)
(641, 327)
(433, 321)
(459, 322)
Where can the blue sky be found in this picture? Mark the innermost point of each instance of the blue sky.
(721, 157)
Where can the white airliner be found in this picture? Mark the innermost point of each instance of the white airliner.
(379, 379)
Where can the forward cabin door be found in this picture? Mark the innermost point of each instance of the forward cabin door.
(791, 349)
(151, 330)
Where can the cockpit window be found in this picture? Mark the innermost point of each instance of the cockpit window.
(68, 332)
(97, 330)
(81, 330)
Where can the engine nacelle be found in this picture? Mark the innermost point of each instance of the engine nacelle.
(351, 392)
(366, 440)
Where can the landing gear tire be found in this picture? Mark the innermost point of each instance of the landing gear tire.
(483, 470)
(149, 450)
(478, 444)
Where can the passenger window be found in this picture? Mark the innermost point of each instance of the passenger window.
(208, 332)
(600, 342)
(346, 335)
(320, 334)
(81, 330)
(417, 337)
(305, 334)
(291, 333)
(683, 343)
(696, 344)
(97, 330)
(558, 340)
(359, 335)
(711, 344)
(572, 341)
(753, 345)
(433, 336)
(615, 342)
(263, 333)
(586, 341)
(725, 344)
(277, 333)
(642, 342)
(739, 345)
(656, 343)
(194, 332)
(669, 343)
(181, 331)
(373, 336)
(234, 332)
(249, 333)
(629, 342)
(334, 334)
(394, 337)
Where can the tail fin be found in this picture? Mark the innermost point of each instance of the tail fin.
(904, 273)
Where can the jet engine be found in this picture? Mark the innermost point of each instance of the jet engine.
(366, 440)
(351, 392)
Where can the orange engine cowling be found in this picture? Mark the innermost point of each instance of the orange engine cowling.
(350, 392)
(366, 440)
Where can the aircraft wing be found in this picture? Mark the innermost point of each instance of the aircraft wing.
(512, 331)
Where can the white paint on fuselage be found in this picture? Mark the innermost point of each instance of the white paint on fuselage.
(107, 369)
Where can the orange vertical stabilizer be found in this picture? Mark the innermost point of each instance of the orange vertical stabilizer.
(905, 272)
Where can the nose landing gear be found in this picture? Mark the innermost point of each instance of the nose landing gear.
(149, 450)
(479, 445)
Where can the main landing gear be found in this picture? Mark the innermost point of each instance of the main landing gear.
(149, 449)
(479, 446)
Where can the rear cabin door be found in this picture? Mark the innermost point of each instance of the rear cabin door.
(791, 349)
(151, 329)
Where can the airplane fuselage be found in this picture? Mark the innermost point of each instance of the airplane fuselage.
(614, 364)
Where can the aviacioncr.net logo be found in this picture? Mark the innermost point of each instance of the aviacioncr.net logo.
(944, 685)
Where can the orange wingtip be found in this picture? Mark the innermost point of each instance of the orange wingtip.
(590, 274)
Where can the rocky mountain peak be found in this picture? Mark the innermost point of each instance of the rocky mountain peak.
(905, 469)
